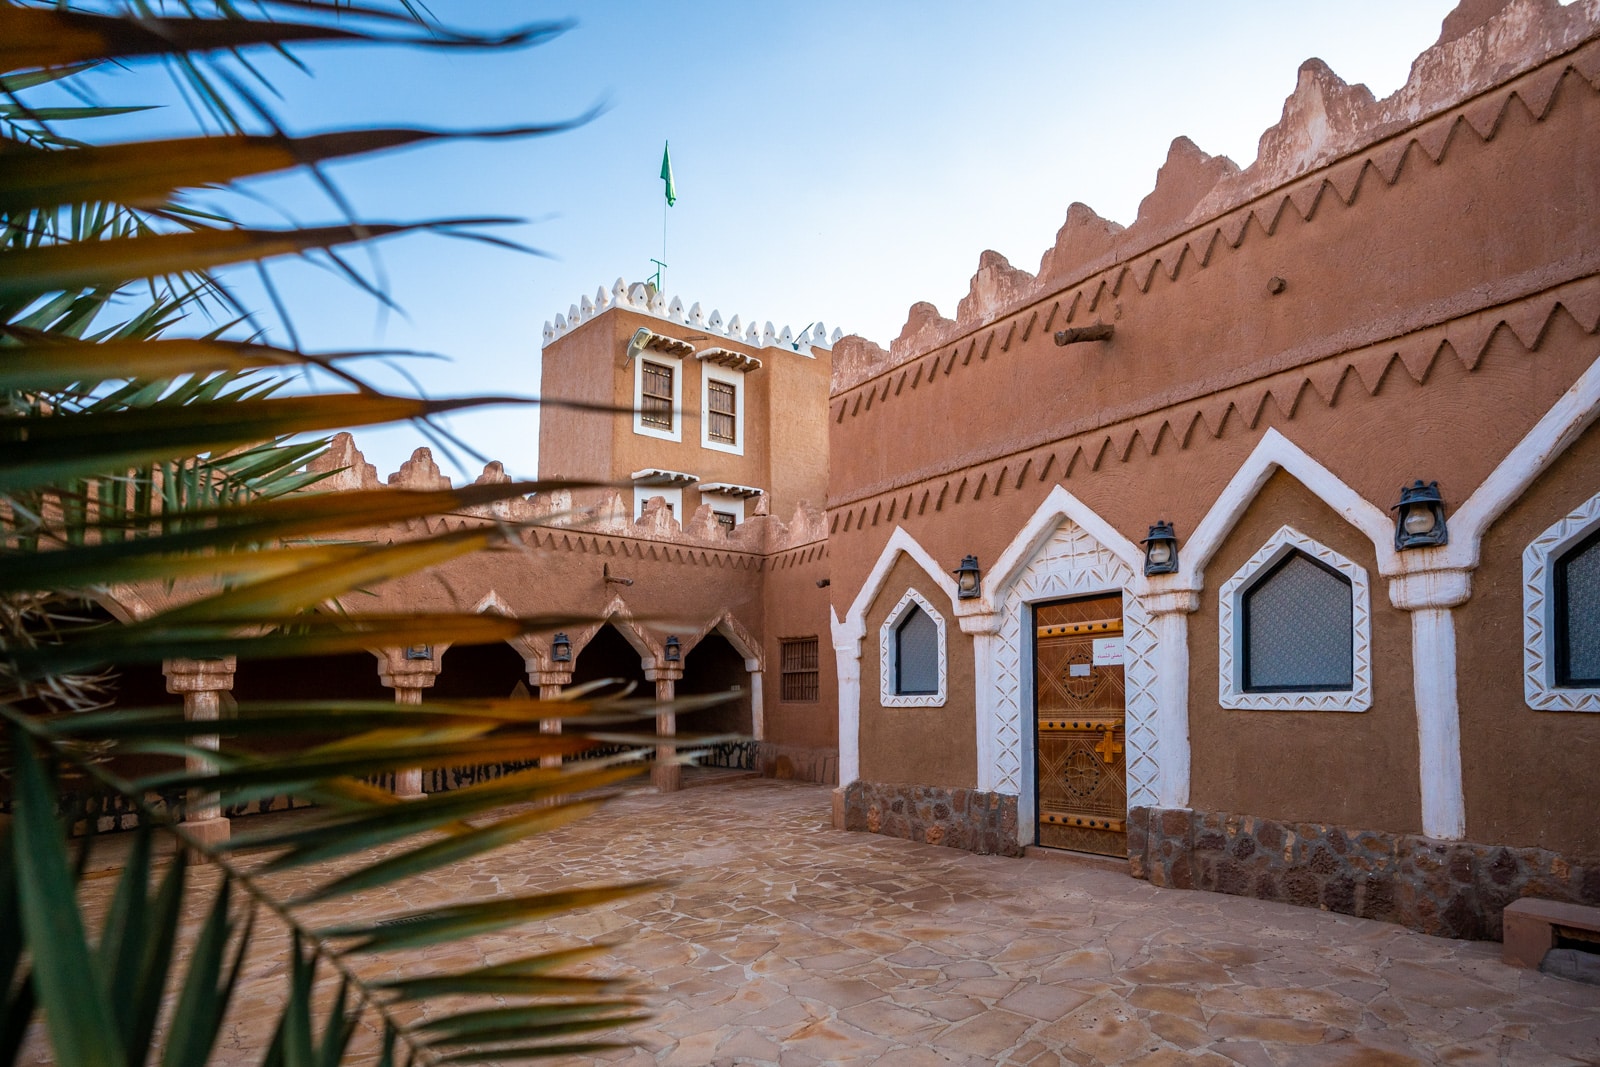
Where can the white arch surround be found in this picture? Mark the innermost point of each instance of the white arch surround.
(1065, 550)
(888, 653)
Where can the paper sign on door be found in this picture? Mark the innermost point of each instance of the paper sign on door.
(1107, 651)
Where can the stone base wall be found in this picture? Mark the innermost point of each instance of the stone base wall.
(1446, 888)
(792, 763)
(985, 823)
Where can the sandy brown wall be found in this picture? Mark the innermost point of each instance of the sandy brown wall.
(577, 444)
(796, 607)
(797, 397)
(1532, 778)
(1353, 769)
(921, 746)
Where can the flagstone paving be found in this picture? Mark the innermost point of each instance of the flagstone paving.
(786, 942)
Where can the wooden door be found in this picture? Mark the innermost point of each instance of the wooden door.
(1080, 707)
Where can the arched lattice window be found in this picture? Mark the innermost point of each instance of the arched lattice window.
(1577, 614)
(912, 661)
(1295, 630)
(1298, 629)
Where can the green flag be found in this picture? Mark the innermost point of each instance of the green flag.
(666, 173)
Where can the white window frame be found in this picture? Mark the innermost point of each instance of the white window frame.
(1538, 614)
(731, 505)
(672, 494)
(641, 427)
(888, 648)
(1230, 659)
(711, 373)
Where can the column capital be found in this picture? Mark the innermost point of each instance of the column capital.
(1434, 589)
(987, 622)
(663, 674)
(397, 671)
(199, 675)
(1171, 602)
(543, 678)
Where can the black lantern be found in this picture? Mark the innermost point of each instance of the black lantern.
(1161, 549)
(969, 579)
(419, 652)
(673, 649)
(1419, 517)
(560, 649)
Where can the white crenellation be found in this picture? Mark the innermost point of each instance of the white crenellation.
(638, 297)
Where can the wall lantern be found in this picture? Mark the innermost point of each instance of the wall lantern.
(1419, 517)
(1161, 549)
(673, 650)
(560, 649)
(419, 652)
(969, 579)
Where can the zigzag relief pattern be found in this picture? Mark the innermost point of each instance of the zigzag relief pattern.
(1538, 672)
(1339, 379)
(1072, 563)
(799, 557)
(1345, 179)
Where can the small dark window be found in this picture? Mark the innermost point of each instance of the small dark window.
(916, 654)
(799, 673)
(1298, 629)
(655, 408)
(726, 519)
(720, 411)
(1577, 614)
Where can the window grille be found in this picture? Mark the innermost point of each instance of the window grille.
(720, 412)
(1577, 614)
(799, 671)
(655, 408)
(1298, 629)
(726, 519)
(916, 659)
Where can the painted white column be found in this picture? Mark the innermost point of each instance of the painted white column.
(758, 711)
(408, 678)
(847, 658)
(985, 632)
(1430, 596)
(202, 683)
(1169, 617)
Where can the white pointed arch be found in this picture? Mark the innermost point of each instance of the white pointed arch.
(899, 542)
(1058, 506)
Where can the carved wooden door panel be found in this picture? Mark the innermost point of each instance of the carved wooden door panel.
(1080, 708)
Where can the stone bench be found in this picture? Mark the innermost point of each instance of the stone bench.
(1530, 928)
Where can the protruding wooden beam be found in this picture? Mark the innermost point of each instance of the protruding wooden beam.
(1100, 331)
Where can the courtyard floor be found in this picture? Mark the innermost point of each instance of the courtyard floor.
(786, 942)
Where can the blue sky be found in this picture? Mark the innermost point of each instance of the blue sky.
(834, 160)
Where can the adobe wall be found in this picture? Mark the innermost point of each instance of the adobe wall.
(918, 745)
(1531, 777)
(796, 607)
(1355, 769)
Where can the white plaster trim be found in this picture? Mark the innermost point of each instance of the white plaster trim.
(1024, 548)
(758, 713)
(888, 654)
(727, 505)
(899, 541)
(1230, 686)
(847, 662)
(709, 374)
(1276, 452)
(1066, 560)
(672, 494)
(639, 427)
(1538, 614)
(1561, 425)
(1444, 802)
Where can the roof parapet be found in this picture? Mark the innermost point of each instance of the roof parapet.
(639, 298)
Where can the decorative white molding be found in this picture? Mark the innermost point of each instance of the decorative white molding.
(637, 298)
(847, 662)
(1067, 561)
(888, 653)
(899, 541)
(1272, 453)
(1230, 685)
(710, 373)
(1433, 649)
(1041, 526)
(1538, 613)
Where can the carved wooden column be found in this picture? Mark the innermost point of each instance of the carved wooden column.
(202, 683)
(408, 672)
(550, 684)
(667, 775)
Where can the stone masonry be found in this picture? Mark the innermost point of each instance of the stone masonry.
(1445, 888)
(985, 823)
